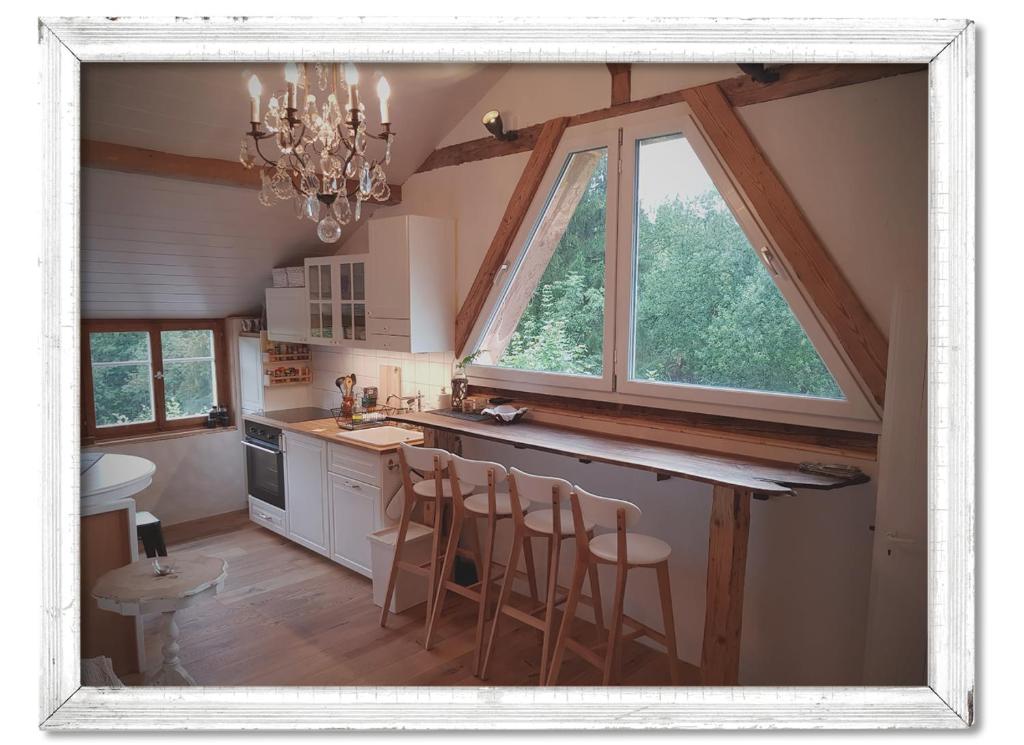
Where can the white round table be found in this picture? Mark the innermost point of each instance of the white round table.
(135, 590)
(115, 476)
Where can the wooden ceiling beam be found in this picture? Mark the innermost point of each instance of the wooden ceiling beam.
(794, 80)
(515, 213)
(827, 288)
(110, 156)
(621, 83)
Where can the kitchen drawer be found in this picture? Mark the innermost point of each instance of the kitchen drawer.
(393, 343)
(358, 464)
(388, 326)
(267, 516)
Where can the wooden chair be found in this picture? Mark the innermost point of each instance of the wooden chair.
(625, 551)
(491, 505)
(432, 464)
(554, 525)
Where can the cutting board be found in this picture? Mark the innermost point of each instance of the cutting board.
(390, 377)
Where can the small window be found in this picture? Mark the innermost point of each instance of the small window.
(148, 376)
(551, 318)
(705, 309)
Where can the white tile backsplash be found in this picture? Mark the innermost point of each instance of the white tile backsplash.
(421, 373)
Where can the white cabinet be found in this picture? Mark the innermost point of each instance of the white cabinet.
(354, 506)
(305, 466)
(286, 314)
(411, 298)
(250, 374)
(336, 297)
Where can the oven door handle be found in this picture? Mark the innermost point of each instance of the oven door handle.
(260, 447)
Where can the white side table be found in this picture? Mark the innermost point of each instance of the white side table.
(134, 590)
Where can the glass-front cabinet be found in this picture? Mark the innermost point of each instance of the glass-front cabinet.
(336, 299)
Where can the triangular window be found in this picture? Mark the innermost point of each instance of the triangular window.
(642, 276)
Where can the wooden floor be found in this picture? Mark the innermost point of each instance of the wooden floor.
(290, 617)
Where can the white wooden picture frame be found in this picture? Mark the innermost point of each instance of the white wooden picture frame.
(947, 46)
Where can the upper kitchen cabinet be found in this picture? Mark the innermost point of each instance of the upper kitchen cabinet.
(411, 305)
(336, 300)
(287, 319)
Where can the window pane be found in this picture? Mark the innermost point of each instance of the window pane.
(119, 346)
(360, 321)
(314, 282)
(327, 320)
(358, 281)
(346, 321)
(186, 344)
(705, 310)
(188, 388)
(325, 282)
(551, 317)
(345, 281)
(123, 394)
(122, 378)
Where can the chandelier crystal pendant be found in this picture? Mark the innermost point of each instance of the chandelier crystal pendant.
(321, 165)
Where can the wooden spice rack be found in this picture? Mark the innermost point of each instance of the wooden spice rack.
(288, 380)
(270, 357)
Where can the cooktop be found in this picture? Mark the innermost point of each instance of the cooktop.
(303, 414)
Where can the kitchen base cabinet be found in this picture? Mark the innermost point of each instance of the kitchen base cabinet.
(305, 468)
(353, 518)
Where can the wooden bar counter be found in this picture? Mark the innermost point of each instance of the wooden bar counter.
(735, 480)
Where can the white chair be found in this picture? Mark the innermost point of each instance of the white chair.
(625, 551)
(432, 464)
(492, 505)
(555, 525)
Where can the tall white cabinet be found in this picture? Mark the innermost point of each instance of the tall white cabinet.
(411, 277)
(250, 374)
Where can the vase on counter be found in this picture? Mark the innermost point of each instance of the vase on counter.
(460, 385)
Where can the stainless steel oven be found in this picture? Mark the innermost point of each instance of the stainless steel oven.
(264, 463)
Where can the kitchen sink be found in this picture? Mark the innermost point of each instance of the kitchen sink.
(381, 436)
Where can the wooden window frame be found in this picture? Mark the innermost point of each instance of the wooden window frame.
(91, 433)
(855, 412)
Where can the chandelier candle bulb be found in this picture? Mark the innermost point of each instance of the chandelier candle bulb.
(255, 89)
(384, 93)
(291, 76)
(352, 81)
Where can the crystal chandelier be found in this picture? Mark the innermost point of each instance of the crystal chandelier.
(321, 165)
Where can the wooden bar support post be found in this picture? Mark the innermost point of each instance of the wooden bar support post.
(727, 565)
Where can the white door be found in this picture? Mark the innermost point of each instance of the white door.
(353, 505)
(250, 374)
(305, 463)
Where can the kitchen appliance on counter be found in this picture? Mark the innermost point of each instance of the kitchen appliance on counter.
(264, 475)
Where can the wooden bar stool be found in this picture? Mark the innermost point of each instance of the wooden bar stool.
(491, 505)
(625, 551)
(432, 464)
(554, 525)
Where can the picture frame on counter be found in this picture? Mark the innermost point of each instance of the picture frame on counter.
(946, 46)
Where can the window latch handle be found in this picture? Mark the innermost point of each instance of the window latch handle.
(501, 270)
(769, 260)
(159, 375)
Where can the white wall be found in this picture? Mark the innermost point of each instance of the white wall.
(855, 159)
(196, 475)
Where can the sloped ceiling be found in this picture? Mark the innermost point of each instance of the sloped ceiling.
(154, 247)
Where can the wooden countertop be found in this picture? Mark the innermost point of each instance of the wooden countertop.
(762, 477)
(328, 429)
